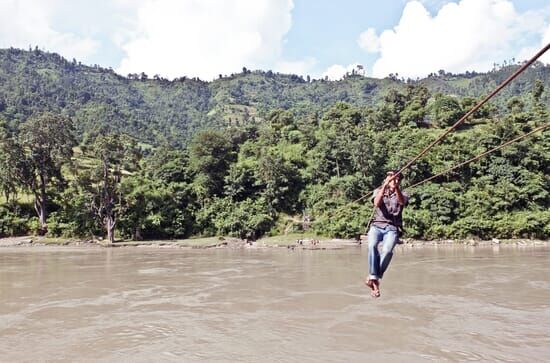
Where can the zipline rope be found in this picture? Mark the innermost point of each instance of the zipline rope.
(540, 128)
(462, 119)
(477, 157)
(476, 107)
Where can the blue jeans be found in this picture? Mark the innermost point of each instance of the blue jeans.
(379, 262)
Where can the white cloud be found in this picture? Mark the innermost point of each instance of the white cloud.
(337, 71)
(369, 41)
(301, 67)
(205, 38)
(469, 35)
(25, 23)
(334, 72)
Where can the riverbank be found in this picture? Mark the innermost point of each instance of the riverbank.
(293, 241)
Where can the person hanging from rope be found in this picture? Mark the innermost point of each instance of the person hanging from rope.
(385, 227)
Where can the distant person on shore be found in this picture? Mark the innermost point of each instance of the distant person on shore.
(385, 228)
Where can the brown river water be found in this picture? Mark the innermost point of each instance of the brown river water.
(441, 304)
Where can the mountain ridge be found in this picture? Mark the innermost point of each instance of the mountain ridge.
(158, 110)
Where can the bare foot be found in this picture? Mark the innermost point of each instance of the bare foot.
(369, 283)
(374, 286)
(376, 289)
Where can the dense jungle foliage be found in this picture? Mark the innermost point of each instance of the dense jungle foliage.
(86, 152)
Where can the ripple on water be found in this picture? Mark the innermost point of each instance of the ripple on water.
(157, 271)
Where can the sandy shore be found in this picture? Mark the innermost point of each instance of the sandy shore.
(288, 241)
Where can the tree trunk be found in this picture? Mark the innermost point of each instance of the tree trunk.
(137, 234)
(110, 226)
(42, 215)
(39, 206)
(108, 219)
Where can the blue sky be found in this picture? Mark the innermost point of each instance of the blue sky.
(320, 38)
(329, 29)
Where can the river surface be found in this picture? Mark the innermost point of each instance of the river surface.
(273, 305)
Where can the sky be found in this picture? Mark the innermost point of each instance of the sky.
(319, 38)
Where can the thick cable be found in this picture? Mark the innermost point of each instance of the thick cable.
(463, 118)
(540, 128)
(475, 108)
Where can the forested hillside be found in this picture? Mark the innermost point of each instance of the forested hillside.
(86, 152)
(157, 110)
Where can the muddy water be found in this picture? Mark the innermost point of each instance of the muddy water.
(150, 305)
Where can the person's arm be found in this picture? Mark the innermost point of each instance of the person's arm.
(380, 195)
(400, 197)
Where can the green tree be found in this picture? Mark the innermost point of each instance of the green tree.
(538, 90)
(117, 156)
(338, 142)
(538, 106)
(486, 111)
(445, 110)
(12, 164)
(48, 141)
(515, 105)
(158, 202)
(384, 117)
(279, 181)
(414, 111)
(210, 154)
(246, 219)
(280, 118)
(74, 217)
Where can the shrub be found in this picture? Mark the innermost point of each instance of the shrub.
(15, 222)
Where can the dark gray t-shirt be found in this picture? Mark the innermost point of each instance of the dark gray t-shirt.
(389, 212)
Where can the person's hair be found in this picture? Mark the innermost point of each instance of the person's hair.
(393, 172)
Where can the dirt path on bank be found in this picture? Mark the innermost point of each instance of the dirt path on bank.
(289, 242)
